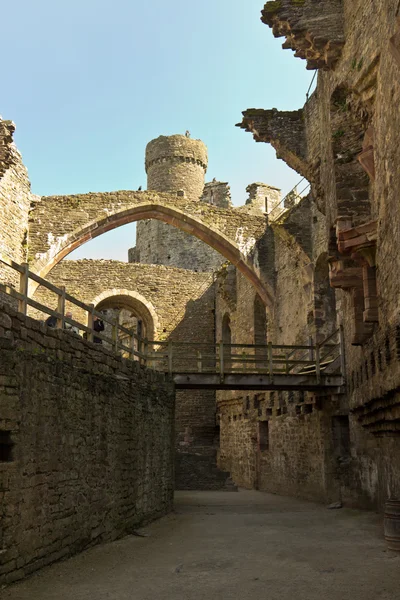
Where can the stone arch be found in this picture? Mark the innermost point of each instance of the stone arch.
(142, 308)
(324, 299)
(63, 245)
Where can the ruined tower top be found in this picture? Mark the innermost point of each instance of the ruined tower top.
(176, 163)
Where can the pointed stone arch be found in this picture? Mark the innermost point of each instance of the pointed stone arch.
(234, 235)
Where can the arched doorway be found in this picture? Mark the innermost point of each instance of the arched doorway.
(131, 310)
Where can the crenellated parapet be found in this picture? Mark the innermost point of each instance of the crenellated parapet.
(284, 130)
(313, 29)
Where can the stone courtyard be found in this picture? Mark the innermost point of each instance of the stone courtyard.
(243, 545)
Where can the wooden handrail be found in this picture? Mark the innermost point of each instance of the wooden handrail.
(170, 355)
(62, 296)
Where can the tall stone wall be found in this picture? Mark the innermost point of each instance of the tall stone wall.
(295, 461)
(168, 291)
(183, 303)
(86, 442)
(346, 144)
(15, 197)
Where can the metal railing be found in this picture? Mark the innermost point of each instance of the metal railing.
(171, 357)
(281, 208)
(135, 344)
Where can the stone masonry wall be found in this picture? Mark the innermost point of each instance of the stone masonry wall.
(183, 302)
(15, 197)
(294, 462)
(166, 289)
(86, 442)
(59, 224)
(217, 193)
(349, 150)
(161, 244)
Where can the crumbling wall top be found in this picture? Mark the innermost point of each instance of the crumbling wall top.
(313, 29)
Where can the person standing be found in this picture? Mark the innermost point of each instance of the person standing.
(98, 326)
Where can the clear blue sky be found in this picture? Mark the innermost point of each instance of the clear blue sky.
(89, 83)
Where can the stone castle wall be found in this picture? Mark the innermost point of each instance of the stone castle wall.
(345, 142)
(161, 244)
(86, 445)
(170, 292)
(295, 460)
(184, 305)
(15, 197)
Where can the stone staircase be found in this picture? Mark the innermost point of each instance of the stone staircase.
(197, 470)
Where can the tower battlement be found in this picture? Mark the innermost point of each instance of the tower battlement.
(175, 163)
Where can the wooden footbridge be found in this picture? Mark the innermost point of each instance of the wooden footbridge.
(309, 367)
(250, 367)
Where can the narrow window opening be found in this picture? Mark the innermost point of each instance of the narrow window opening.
(6, 446)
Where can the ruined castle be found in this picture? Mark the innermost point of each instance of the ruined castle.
(204, 271)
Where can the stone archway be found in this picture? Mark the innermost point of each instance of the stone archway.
(78, 219)
(133, 301)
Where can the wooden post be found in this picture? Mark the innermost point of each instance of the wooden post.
(170, 358)
(317, 363)
(61, 308)
(221, 361)
(270, 362)
(145, 351)
(23, 289)
(132, 345)
(199, 362)
(90, 323)
(115, 334)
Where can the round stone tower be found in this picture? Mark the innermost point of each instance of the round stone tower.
(176, 163)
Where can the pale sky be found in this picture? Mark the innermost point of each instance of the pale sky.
(89, 83)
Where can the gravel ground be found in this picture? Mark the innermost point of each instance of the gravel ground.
(220, 545)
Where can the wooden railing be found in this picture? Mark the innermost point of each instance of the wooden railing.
(270, 359)
(173, 357)
(136, 344)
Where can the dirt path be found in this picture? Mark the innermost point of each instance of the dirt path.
(221, 545)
